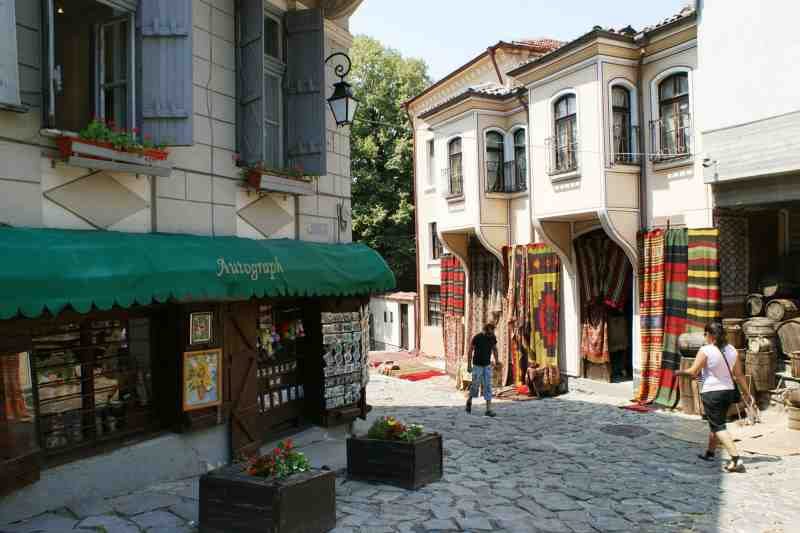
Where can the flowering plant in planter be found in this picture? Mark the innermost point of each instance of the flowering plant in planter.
(107, 135)
(389, 428)
(252, 175)
(280, 463)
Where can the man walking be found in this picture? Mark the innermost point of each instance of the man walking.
(482, 355)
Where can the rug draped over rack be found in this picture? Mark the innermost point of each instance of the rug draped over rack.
(452, 295)
(675, 278)
(486, 303)
(534, 278)
(679, 293)
(651, 312)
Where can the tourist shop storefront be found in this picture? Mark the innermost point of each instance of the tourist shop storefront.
(109, 340)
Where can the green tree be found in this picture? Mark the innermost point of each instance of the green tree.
(381, 152)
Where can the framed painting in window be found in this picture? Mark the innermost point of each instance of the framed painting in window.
(200, 328)
(202, 379)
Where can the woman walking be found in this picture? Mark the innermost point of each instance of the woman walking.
(718, 366)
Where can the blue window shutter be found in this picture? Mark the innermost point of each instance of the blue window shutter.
(305, 91)
(250, 82)
(30, 51)
(9, 71)
(164, 55)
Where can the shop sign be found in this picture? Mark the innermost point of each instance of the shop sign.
(252, 270)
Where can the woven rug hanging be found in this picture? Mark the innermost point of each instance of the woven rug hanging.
(651, 312)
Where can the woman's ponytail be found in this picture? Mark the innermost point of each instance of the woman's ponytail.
(716, 330)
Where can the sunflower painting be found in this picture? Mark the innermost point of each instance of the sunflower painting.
(202, 383)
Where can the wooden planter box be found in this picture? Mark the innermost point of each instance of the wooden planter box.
(232, 500)
(410, 465)
(267, 180)
(98, 156)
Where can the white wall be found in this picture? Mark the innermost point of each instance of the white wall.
(386, 331)
(749, 61)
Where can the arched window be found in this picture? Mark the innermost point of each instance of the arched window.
(455, 178)
(495, 148)
(623, 131)
(565, 116)
(674, 122)
(520, 161)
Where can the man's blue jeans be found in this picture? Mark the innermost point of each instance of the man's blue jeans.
(481, 375)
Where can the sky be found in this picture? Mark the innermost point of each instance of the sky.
(448, 33)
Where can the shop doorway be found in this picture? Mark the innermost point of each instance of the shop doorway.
(605, 282)
(404, 326)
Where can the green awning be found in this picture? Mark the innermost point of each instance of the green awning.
(47, 269)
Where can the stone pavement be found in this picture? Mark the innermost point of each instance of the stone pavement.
(576, 463)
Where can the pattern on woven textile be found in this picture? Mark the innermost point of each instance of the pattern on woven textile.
(594, 335)
(703, 298)
(544, 278)
(651, 312)
(486, 304)
(519, 314)
(734, 258)
(604, 270)
(453, 336)
(453, 282)
(675, 277)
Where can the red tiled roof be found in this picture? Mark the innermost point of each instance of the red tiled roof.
(540, 44)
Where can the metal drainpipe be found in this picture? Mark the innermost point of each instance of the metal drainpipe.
(414, 192)
(642, 154)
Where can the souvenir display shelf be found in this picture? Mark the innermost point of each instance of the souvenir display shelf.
(345, 372)
(281, 346)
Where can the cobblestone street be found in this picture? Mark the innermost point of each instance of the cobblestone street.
(576, 463)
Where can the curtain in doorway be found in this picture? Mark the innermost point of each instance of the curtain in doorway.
(703, 295)
(651, 312)
(675, 291)
(486, 304)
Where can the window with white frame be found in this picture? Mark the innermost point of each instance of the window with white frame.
(520, 173)
(455, 176)
(434, 305)
(565, 141)
(495, 159)
(672, 130)
(622, 126)
(431, 153)
(437, 250)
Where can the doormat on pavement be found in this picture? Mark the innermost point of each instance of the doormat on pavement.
(425, 374)
(636, 408)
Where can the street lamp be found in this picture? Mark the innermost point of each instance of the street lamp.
(343, 103)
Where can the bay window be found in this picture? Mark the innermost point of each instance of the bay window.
(495, 159)
(672, 130)
(565, 144)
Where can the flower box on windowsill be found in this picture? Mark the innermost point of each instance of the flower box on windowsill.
(276, 181)
(103, 156)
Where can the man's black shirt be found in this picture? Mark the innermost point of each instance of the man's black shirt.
(484, 344)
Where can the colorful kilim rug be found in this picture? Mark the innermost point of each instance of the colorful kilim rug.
(703, 295)
(617, 273)
(519, 320)
(453, 283)
(544, 278)
(594, 335)
(675, 276)
(651, 312)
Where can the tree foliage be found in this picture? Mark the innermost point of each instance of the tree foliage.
(381, 151)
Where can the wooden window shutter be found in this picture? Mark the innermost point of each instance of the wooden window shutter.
(305, 91)
(9, 71)
(165, 65)
(250, 82)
